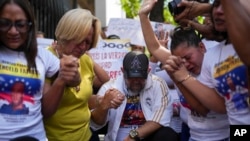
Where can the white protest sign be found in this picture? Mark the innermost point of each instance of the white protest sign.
(109, 55)
(131, 29)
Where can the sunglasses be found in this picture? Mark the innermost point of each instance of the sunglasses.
(21, 26)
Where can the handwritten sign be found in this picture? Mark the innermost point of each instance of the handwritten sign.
(109, 55)
(131, 29)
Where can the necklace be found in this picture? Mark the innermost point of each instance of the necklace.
(133, 99)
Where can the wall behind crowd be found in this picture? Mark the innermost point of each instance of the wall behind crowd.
(48, 13)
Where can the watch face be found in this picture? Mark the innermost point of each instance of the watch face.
(133, 133)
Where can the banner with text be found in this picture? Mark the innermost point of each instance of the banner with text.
(109, 55)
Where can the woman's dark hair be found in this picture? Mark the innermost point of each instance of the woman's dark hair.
(30, 46)
(184, 35)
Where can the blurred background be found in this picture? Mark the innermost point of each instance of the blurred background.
(48, 12)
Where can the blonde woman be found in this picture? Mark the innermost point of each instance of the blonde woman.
(77, 32)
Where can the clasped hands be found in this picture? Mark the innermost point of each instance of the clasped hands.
(113, 98)
(175, 67)
(68, 72)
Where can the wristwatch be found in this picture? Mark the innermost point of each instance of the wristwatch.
(134, 135)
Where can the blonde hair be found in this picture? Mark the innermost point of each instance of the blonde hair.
(76, 24)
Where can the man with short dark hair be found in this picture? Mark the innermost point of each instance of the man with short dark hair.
(142, 109)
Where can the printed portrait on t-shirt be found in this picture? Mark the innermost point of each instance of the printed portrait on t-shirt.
(15, 105)
(17, 94)
(232, 83)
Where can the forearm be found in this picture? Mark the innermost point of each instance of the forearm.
(208, 96)
(75, 82)
(205, 8)
(205, 30)
(148, 33)
(193, 9)
(195, 104)
(148, 128)
(99, 115)
(52, 97)
(152, 43)
(238, 29)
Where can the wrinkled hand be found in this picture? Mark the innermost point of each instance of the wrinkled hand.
(147, 6)
(176, 68)
(68, 72)
(113, 98)
(190, 12)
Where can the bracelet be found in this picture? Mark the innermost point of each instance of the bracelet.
(186, 78)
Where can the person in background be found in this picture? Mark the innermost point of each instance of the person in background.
(137, 47)
(18, 64)
(77, 32)
(143, 103)
(40, 34)
(113, 36)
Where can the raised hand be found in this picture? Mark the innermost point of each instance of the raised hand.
(147, 6)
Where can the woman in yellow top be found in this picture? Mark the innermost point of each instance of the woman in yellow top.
(77, 32)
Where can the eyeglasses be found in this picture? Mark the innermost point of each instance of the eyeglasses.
(21, 26)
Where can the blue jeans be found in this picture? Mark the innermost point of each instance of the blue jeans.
(185, 132)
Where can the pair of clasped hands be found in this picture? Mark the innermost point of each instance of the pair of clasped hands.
(113, 98)
(68, 71)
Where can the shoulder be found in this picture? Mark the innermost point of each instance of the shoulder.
(46, 53)
(154, 81)
(156, 78)
(86, 59)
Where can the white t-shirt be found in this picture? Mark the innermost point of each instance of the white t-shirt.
(14, 79)
(222, 69)
(209, 43)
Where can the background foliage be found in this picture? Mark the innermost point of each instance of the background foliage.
(131, 8)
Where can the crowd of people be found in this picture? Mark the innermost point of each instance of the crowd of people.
(191, 89)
